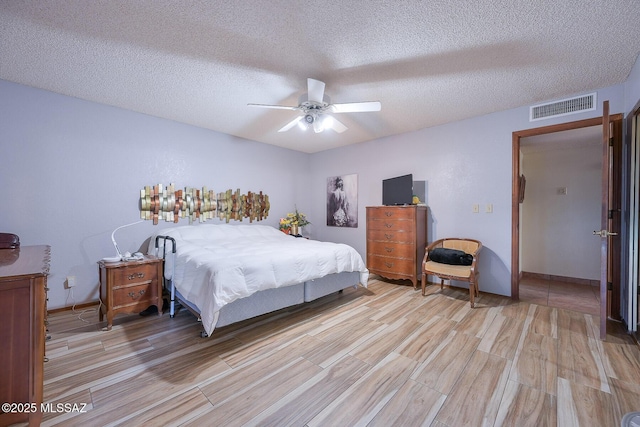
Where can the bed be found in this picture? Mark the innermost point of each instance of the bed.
(227, 273)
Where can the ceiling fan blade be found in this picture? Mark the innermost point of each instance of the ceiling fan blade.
(315, 90)
(278, 107)
(356, 107)
(333, 123)
(291, 124)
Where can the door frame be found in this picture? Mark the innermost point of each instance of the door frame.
(515, 193)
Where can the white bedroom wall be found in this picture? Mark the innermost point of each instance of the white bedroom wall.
(463, 163)
(71, 172)
(556, 229)
(632, 88)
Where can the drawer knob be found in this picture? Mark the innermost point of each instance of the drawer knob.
(388, 249)
(388, 236)
(134, 295)
(388, 225)
(389, 264)
(388, 213)
(135, 276)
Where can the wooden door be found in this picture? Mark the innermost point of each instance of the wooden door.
(610, 222)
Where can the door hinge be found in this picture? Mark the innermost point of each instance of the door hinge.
(610, 215)
(609, 286)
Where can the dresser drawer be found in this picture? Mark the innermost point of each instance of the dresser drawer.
(400, 236)
(135, 274)
(391, 265)
(391, 249)
(134, 294)
(391, 213)
(387, 224)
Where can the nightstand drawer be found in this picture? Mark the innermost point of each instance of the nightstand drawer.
(135, 274)
(127, 295)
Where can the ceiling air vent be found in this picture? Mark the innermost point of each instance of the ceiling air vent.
(563, 107)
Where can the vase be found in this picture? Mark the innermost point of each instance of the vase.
(294, 229)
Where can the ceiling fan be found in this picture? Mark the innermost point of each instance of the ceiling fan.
(315, 111)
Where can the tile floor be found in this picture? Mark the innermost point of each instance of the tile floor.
(560, 294)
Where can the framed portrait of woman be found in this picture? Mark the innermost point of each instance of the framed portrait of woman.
(342, 201)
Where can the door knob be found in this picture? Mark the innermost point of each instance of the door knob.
(603, 233)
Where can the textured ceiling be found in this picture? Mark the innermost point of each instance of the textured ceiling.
(427, 62)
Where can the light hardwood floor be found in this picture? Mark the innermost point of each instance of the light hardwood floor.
(379, 356)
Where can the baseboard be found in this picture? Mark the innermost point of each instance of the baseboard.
(73, 307)
(586, 282)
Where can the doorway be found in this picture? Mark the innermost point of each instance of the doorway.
(559, 256)
(519, 191)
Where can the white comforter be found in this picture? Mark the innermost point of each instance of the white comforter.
(217, 264)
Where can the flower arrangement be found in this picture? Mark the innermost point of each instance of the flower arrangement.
(293, 220)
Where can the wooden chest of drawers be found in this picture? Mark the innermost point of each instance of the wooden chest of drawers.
(396, 240)
(23, 306)
(130, 287)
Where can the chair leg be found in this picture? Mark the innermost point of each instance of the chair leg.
(424, 283)
(472, 294)
(441, 284)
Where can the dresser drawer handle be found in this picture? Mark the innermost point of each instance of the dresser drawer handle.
(388, 264)
(388, 249)
(134, 296)
(388, 213)
(135, 276)
(388, 225)
(388, 236)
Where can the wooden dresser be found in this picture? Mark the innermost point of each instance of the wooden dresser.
(23, 295)
(396, 240)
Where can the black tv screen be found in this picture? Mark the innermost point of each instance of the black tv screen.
(397, 191)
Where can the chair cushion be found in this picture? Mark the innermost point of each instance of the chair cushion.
(450, 256)
(446, 270)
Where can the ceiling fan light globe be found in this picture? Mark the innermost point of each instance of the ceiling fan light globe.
(318, 125)
(309, 118)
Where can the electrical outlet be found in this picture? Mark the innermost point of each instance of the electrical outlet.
(489, 208)
(71, 281)
(476, 208)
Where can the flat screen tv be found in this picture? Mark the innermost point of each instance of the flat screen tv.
(397, 191)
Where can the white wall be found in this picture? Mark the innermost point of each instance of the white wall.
(556, 230)
(463, 163)
(71, 171)
(632, 88)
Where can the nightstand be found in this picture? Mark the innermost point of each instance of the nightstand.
(130, 287)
